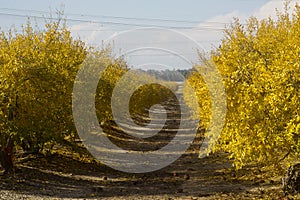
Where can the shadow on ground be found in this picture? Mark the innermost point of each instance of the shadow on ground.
(64, 177)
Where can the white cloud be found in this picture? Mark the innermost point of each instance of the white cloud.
(208, 33)
(91, 33)
(270, 9)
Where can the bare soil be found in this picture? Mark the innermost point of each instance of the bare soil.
(63, 177)
(66, 175)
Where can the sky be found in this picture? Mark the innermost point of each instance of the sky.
(159, 34)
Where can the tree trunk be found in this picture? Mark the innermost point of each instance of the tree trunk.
(291, 181)
(6, 160)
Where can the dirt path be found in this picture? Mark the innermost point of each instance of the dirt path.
(187, 178)
(65, 177)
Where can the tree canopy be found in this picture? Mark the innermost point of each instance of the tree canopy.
(260, 66)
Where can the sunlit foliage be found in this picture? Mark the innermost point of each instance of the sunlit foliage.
(260, 66)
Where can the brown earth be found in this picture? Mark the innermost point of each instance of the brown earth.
(62, 177)
(66, 175)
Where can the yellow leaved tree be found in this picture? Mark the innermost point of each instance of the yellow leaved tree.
(260, 66)
(37, 70)
(37, 73)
